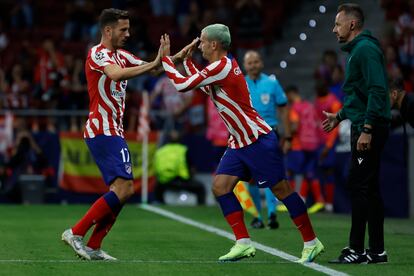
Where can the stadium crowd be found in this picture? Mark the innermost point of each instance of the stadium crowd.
(42, 63)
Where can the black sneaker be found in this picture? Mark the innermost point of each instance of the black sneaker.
(272, 223)
(350, 256)
(377, 258)
(257, 223)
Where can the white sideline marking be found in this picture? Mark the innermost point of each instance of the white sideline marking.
(230, 236)
(131, 261)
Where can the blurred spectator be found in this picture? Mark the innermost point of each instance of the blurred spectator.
(217, 132)
(337, 81)
(393, 68)
(4, 41)
(326, 68)
(74, 95)
(186, 7)
(405, 32)
(139, 42)
(222, 12)
(173, 170)
(80, 14)
(162, 7)
(393, 8)
(26, 158)
(19, 92)
(22, 14)
(3, 88)
(175, 104)
(249, 26)
(50, 71)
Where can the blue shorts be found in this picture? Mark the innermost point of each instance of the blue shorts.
(112, 156)
(302, 162)
(261, 161)
(329, 160)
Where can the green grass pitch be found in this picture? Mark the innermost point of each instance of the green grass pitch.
(149, 244)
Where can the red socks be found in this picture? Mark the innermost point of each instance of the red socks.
(316, 191)
(95, 214)
(236, 221)
(304, 226)
(99, 232)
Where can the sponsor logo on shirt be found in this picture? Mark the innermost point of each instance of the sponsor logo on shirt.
(117, 94)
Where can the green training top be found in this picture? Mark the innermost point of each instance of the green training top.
(366, 85)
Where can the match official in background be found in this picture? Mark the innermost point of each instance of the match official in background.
(268, 98)
(367, 105)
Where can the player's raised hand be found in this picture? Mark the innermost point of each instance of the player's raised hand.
(165, 44)
(330, 122)
(188, 50)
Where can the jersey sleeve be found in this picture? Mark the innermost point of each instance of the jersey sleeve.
(131, 60)
(191, 69)
(211, 74)
(99, 59)
(281, 99)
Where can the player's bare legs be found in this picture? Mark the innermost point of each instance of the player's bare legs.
(297, 210)
(123, 188)
(223, 186)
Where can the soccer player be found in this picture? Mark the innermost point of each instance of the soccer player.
(252, 151)
(107, 68)
(326, 101)
(302, 159)
(266, 94)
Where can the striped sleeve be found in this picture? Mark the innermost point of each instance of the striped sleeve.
(191, 69)
(131, 59)
(211, 74)
(99, 59)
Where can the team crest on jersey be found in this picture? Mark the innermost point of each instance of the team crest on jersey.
(237, 71)
(265, 98)
(99, 55)
(128, 168)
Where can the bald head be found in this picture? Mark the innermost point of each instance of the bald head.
(253, 64)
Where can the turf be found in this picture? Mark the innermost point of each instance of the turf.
(148, 244)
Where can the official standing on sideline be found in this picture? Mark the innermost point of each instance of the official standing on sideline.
(367, 105)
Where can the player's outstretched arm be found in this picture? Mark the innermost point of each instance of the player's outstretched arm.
(214, 72)
(117, 73)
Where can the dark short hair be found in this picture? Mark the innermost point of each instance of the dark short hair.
(354, 10)
(396, 84)
(111, 17)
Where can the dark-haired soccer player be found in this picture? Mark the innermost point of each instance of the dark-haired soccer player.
(107, 69)
(252, 151)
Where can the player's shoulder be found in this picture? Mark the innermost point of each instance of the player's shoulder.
(98, 52)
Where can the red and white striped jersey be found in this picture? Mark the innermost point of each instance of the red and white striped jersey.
(224, 82)
(107, 97)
